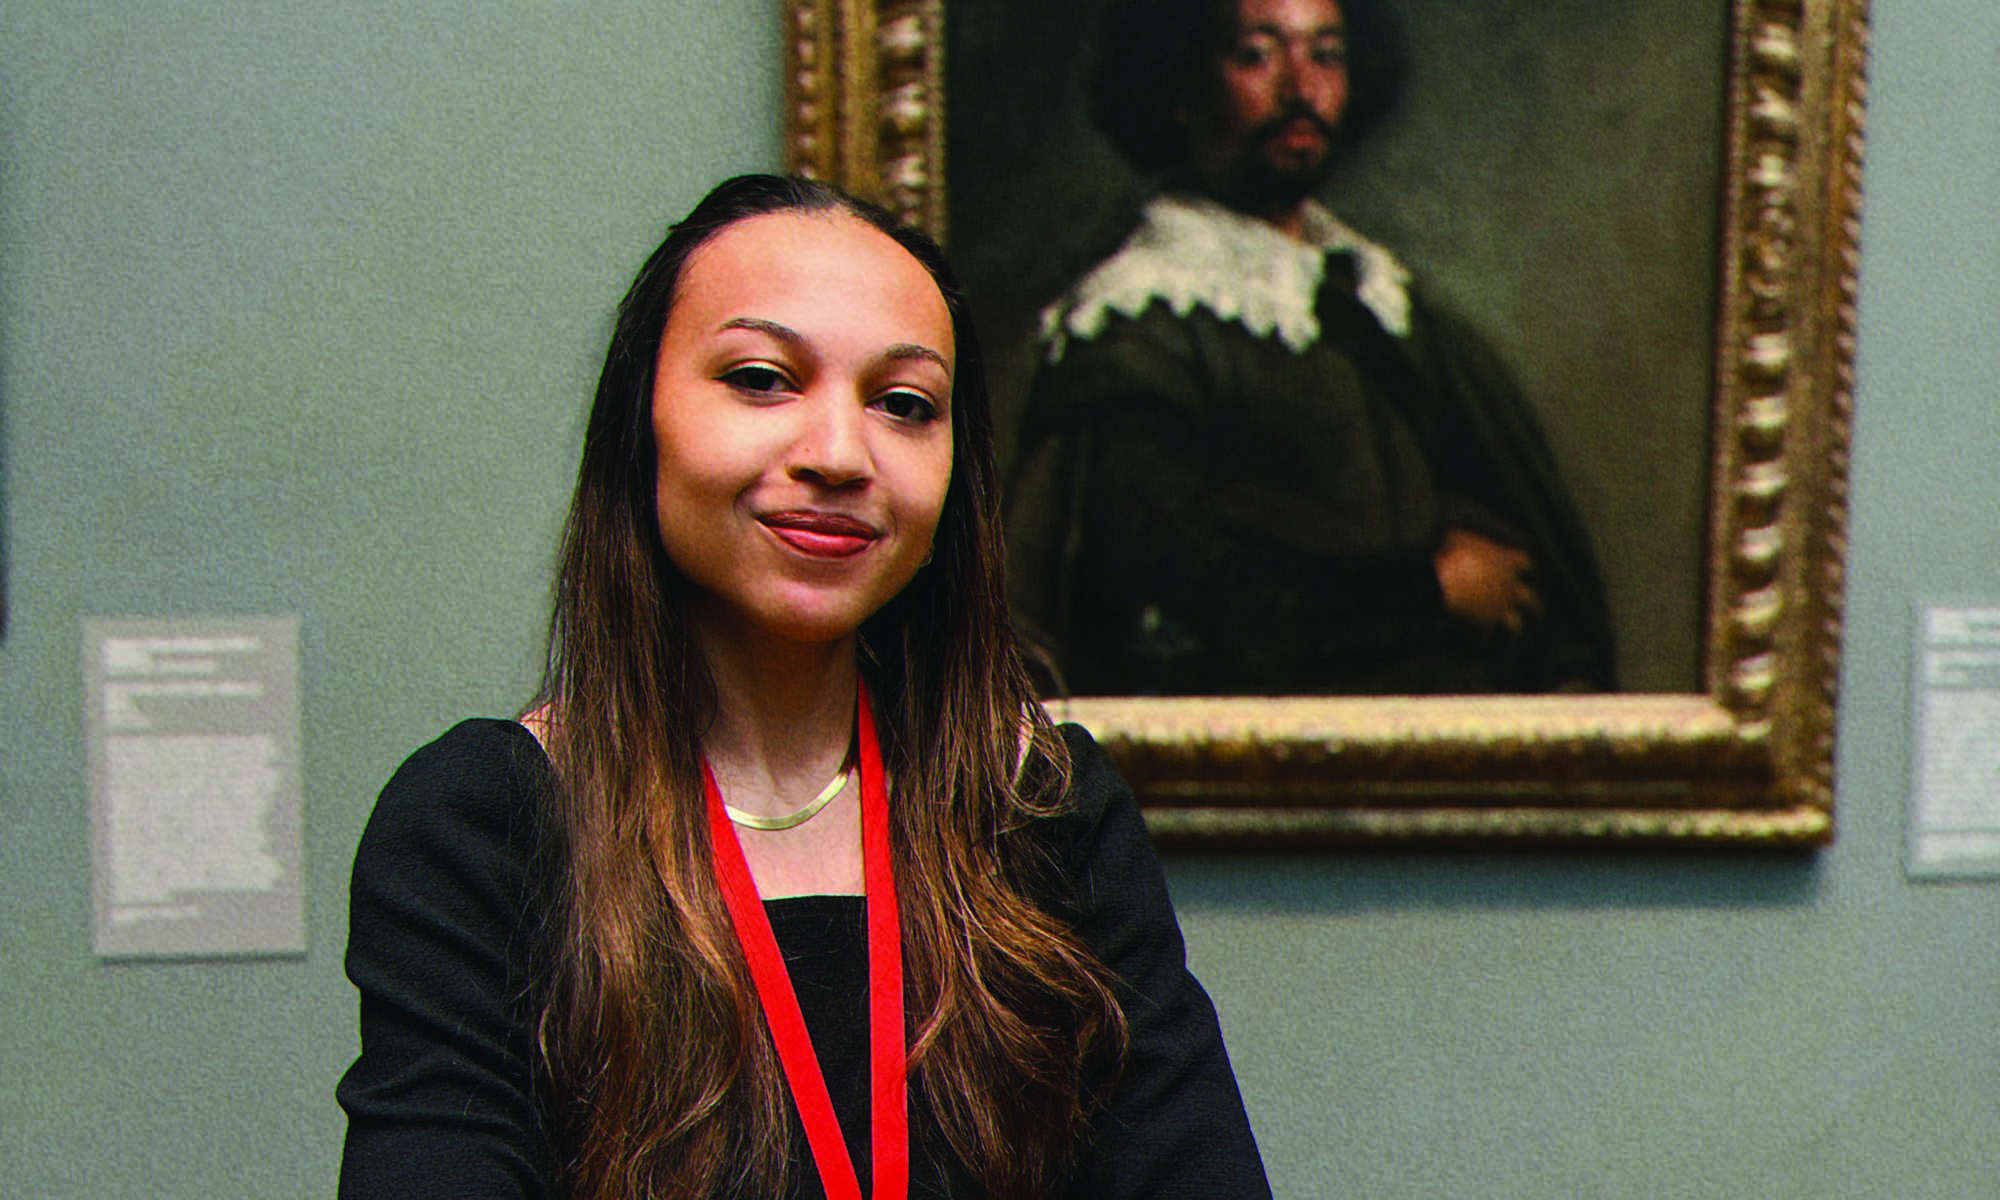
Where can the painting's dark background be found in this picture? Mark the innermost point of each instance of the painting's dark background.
(1553, 174)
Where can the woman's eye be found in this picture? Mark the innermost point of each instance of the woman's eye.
(907, 406)
(755, 377)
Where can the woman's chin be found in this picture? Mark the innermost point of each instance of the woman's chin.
(794, 616)
(824, 615)
(806, 626)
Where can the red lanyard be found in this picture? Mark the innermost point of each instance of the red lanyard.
(889, 1110)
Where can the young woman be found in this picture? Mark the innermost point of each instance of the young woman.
(786, 886)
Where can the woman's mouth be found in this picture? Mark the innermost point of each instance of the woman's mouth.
(821, 535)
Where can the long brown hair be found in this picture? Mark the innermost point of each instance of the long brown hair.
(661, 1077)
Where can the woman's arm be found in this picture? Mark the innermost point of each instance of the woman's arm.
(1175, 1125)
(441, 1101)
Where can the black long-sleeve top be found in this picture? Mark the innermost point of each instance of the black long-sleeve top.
(441, 1102)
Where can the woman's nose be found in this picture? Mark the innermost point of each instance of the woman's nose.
(832, 447)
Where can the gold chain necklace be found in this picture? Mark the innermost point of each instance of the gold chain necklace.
(792, 820)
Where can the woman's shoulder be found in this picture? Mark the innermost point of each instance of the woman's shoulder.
(1095, 785)
(474, 750)
(470, 795)
(1099, 814)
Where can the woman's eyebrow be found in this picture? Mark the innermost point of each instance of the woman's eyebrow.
(783, 333)
(904, 351)
(896, 352)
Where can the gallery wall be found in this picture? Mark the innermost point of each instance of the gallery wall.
(299, 307)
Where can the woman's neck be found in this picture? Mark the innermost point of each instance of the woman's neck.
(784, 718)
(783, 723)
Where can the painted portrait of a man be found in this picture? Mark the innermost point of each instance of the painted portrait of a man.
(1254, 457)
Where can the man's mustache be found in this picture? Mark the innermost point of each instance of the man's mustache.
(1296, 110)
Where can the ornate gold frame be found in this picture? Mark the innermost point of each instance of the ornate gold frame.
(1749, 761)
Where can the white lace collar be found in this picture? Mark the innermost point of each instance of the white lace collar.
(1190, 250)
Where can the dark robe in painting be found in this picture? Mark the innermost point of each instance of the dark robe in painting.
(1237, 485)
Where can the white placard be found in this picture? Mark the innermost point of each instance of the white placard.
(193, 733)
(1954, 827)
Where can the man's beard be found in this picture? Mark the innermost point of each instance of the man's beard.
(1267, 177)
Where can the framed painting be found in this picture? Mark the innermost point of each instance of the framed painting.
(1650, 210)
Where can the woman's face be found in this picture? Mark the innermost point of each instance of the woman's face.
(802, 410)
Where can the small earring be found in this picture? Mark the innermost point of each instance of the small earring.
(930, 552)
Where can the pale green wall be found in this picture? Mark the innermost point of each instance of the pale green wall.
(298, 306)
